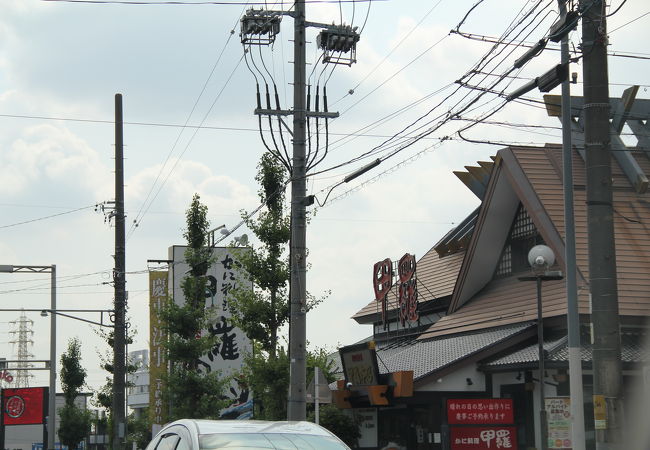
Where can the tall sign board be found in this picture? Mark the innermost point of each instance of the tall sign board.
(158, 295)
(224, 275)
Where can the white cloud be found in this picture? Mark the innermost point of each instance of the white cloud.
(47, 154)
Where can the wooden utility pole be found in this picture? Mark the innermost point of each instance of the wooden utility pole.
(606, 341)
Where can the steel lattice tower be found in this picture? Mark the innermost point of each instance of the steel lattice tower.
(23, 330)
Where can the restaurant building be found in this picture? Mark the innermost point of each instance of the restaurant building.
(467, 329)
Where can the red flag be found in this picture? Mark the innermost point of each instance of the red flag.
(23, 406)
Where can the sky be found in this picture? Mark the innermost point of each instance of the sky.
(188, 99)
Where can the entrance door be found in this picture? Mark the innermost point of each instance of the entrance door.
(524, 415)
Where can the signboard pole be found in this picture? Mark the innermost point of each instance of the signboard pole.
(2, 417)
(316, 389)
(46, 416)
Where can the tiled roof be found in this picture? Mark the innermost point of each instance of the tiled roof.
(632, 351)
(535, 175)
(425, 357)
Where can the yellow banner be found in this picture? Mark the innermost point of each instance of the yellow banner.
(158, 295)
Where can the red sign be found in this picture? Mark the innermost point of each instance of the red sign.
(483, 438)
(476, 411)
(23, 406)
(407, 295)
(406, 267)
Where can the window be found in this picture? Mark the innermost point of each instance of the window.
(168, 442)
(522, 237)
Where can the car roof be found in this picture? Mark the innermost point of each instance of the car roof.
(251, 426)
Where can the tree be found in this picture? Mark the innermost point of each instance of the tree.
(261, 312)
(338, 422)
(104, 396)
(75, 422)
(190, 392)
(139, 430)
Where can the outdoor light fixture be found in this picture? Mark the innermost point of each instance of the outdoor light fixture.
(469, 381)
(241, 241)
(51, 269)
(541, 258)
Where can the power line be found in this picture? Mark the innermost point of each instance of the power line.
(204, 2)
(47, 217)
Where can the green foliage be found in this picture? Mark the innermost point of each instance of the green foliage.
(139, 430)
(74, 422)
(195, 395)
(103, 397)
(338, 422)
(191, 393)
(268, 378)
(73, 375)
(262, 312)
(74, 425)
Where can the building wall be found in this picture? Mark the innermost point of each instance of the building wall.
(138, 394)
(457, 381)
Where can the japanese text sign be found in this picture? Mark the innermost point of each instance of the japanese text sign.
(470, 411)
(407, 293)
(483, 438)
(224, 275)
(558, 411)
(360, 364)
(23, 406)
(158, 296)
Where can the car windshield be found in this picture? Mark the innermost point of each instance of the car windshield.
(279, 441)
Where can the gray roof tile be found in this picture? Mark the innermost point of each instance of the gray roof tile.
(425, 357)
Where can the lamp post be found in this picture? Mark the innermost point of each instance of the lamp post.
(53, 313)
(51, 426)
(540, 258)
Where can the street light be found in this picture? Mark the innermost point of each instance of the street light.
(540, 258)
(52, 394)
(54, 313)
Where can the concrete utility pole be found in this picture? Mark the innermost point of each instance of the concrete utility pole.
(573, 314)
(602, 255)
(296, 408)
(119, 280)
(260, 27)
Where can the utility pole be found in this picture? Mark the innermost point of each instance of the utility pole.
(573, 315)
(605, 333)
(119, 280)
(338, 42)
(296, 408)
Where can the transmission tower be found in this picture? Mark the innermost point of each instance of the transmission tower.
(23, 331)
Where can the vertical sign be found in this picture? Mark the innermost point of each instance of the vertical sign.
(559, 422)
(158, 295)
(224, 275)
(407, 291)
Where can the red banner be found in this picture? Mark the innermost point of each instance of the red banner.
(480, 411)
(23, 406)
(483, 438)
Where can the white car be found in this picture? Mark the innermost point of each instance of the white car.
(190, 434)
